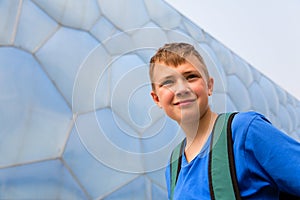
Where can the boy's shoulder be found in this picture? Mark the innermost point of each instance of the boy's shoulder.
(244, 117)
(243, 120)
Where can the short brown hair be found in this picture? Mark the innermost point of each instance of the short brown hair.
(175, 54)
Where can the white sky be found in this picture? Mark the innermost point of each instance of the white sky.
(265, 33)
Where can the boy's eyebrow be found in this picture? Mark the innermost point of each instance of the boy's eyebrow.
(166, 77)
(191, 72)
(184, 74)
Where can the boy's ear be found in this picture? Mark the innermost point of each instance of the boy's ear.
(155, 98)
(210, 85)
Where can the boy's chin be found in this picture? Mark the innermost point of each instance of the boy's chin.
(189, 118)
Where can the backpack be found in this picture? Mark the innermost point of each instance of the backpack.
(222, 175)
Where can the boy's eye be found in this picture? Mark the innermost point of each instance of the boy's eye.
(192, 76)
(167, 82)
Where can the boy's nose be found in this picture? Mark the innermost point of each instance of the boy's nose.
(182, 89)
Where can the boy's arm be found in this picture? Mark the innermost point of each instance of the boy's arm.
(277, 153)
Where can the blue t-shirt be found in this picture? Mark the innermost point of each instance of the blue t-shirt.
(266, 160)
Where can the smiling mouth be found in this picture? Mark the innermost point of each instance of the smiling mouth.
(184, 102)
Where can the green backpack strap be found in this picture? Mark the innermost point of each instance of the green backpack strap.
(175, 165)
(222, 177)
(221, 170)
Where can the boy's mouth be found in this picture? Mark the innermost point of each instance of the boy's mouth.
(184, 102)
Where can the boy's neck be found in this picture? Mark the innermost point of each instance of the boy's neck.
(198, 133)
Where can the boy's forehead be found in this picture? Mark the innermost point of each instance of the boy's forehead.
(162, 69)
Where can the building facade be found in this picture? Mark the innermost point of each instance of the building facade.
(77, 120)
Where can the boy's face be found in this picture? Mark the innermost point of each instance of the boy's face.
(181, 91)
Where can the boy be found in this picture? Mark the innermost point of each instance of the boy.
(266, 160)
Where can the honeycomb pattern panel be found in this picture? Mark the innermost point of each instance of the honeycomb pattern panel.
(159, 11)
(9, 15)
(133, 190)
(103, 29)
(91, 83)
(33, 18)
(97, 178)
(131, 17)
(42, 180)
(62, 64)
(75, 14)
(258, 99)
(78, 121)
(34, 115)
